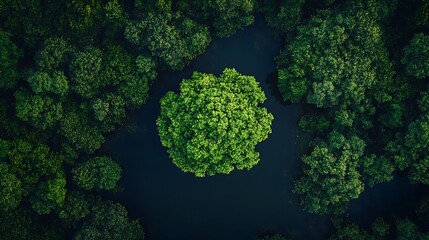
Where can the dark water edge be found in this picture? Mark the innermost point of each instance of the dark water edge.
(398, 198)
(244, 204)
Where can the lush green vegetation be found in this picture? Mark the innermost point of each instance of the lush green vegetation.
(214, 124)
(339, 63)
(71, 70)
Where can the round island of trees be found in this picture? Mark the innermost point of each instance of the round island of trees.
(213, 125)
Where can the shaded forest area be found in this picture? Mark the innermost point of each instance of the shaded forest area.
(71, 70)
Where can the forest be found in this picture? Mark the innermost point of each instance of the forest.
(73, 72)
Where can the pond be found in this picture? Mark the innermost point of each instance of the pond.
(242, 205)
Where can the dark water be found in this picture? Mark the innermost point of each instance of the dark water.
(395, 198)
(241, 205)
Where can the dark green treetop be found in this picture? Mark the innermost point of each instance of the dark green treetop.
(331, 174)
(109, 221)
(416, 56)
(9, 57)
(97, 173)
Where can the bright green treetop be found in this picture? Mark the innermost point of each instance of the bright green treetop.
(214, 124)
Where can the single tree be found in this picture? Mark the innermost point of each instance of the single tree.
(214, 124)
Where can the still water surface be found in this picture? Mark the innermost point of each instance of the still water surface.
(243, 204)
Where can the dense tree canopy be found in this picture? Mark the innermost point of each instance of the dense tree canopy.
(49, 195)
(380, 229)
(9, 57)
(283, 16)
(331, 178)
(416, 56)
(110, 221)
(174, 45)
(414, 152)
(339, 63)
(71, 70)
(10, 188)
(77, 206)
(213, 125)
(317, 64)
(225, 17)
(97, 173)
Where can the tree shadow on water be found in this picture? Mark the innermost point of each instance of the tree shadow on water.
(271, 81)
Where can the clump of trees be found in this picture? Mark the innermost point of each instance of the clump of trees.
(224, 17)
(343, 61)
(283, 16)
(69, 72)
(337, 62)
(416, 56)
(213, 125)
(331, 177)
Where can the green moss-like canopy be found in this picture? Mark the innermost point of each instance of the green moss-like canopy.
(214, 124)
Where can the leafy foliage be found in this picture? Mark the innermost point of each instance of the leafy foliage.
(378, 169)
(213, 125)
(42, 82)
(314, 123)
(317, 65)
(174, 45)
(284, 16)
(69, 71)
(9, 57)
(67, 78)
(339, 63)
(76, 206)
(16, 224)
(97, 173)
(53, 54)
(380, 229)
(39, 110)
(49, 195)
(10, 188)
(226, 17)
(331, 176)
(414, 152)
(31, 160)
(110, 221)
(416, 56)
